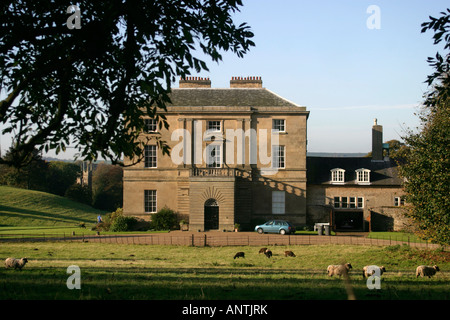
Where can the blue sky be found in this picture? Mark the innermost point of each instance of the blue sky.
(321, 54)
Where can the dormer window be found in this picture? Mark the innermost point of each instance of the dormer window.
(337, 176)
(363, 176)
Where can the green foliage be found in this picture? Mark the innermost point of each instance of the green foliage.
(107, 186)
(164, 219)
(54, 176)
(427, 164)
(122, 223)
(90, 87)
(29, 176)
(79, 193)
(60, 176)
(117, 222)
(396, 150)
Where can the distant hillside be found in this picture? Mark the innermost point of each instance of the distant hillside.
(21, 207)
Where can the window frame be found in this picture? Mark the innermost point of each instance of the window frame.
(150, 201)
(278, 202)
(279, 127)
(151, 157)
(277, 155)
(399, 201)
(149, 125)
(210, 148)
(214, 128)
(363, 176)
(337, 176)
(351, 202)
(360, 200)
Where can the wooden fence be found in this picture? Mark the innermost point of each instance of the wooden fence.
(217, 239)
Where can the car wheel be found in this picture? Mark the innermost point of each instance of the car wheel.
(260, 231)
(282, 231)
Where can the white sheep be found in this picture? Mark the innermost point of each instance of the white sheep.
(15, 263)
(426, 271)
(338, 269)
(367, 272)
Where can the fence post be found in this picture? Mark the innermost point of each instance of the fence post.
(204, 241)
(192, 240)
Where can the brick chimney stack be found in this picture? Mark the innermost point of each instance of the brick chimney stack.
(377, 142)
(248, 82)
(195, 82)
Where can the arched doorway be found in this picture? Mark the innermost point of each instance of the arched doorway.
(211, 214)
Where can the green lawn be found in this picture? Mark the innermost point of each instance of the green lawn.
(28, 208)
(396, 236)
(116, 271)
(121, 271)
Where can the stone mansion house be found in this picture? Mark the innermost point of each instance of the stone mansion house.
(238, 155)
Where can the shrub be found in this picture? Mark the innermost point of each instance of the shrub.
(79, 193)
(116, 222)
(102, 226)
(122, 223)
(164, 219)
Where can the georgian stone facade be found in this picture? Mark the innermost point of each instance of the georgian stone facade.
(238, 155)
(226, 165)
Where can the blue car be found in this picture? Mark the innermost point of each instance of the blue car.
(276, 226)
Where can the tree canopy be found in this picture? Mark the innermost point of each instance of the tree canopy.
(89, 87)
(426, 169)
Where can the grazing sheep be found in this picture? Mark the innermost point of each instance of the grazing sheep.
(15, 263)
(262, 250)
(426, 271)
(338, 269)
(268, 253)
(239, 255)
(367, 273)
(289, 254)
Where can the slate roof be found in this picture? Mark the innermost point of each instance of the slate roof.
(235, 97)
(383, 173)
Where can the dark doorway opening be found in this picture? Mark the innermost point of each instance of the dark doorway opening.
(211, 215)
(381, 222)
(349, 220)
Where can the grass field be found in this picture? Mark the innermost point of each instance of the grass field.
(130, 272)
(28, 208)
(141, 272)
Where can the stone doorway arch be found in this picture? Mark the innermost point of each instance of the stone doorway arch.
(211, 214)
